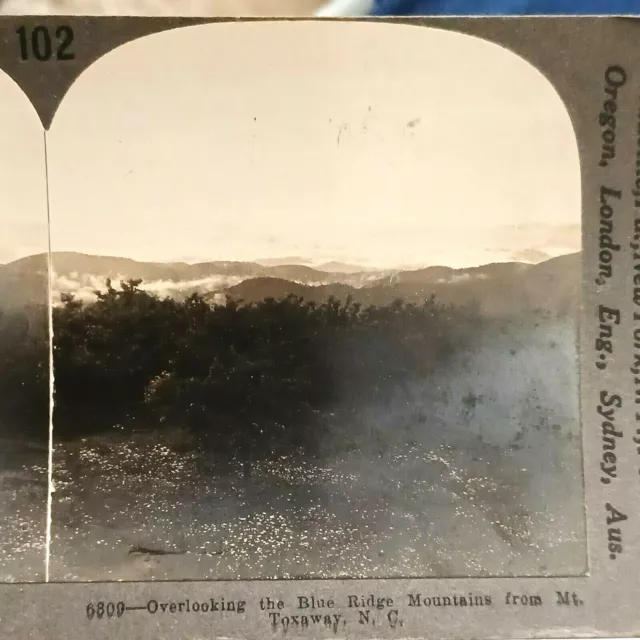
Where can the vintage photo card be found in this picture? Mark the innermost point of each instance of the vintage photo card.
(24, 339)
(338, 332)
(288, 344)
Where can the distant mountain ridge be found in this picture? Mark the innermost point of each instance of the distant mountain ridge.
(67, 263)
(496, 287)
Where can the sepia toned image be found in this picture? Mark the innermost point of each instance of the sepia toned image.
(315, 309)
(24, 340)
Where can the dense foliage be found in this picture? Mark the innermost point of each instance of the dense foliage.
(24, 373)
(244, 377)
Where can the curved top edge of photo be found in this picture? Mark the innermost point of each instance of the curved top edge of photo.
(335, 40)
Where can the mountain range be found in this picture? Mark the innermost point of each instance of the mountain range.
(496, 288)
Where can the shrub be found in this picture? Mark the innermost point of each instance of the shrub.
(250, 378)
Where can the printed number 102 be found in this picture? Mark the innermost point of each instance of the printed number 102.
(38, 43)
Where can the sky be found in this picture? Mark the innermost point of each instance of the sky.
(23, 197)
(373, 144)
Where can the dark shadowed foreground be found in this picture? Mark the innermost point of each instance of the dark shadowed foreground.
(474, 472)
(24, 432)
(149, 513)
(23, 509)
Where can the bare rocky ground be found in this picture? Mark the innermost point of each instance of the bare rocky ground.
(23, 511)
(479, 474)
(138, 510)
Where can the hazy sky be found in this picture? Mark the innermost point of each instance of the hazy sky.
(23, 198)
(376, 144)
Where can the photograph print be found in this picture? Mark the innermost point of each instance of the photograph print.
(315, 309)
(24, 339)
